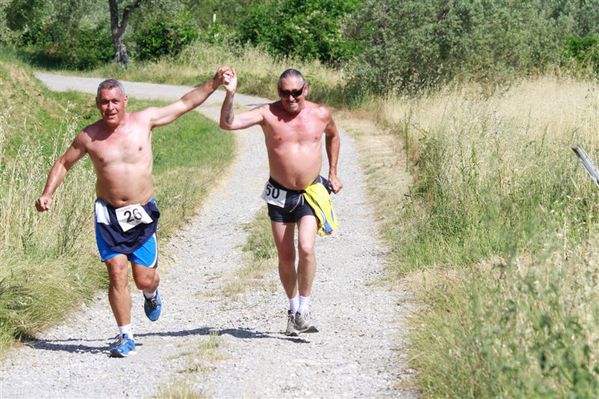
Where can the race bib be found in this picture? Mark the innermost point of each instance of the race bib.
(131, 215)
(274, 196)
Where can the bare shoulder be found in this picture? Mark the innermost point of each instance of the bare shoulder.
(322, 111)
(86, 137)
(263, 108)
(269, 109)
(90, 133)
(143, 115)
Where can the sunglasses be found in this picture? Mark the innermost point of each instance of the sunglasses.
(294, 93)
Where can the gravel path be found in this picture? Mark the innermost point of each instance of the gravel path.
(358, 353)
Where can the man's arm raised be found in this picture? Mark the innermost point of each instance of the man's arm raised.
(228, 119)
(58, 171)
(160, 116)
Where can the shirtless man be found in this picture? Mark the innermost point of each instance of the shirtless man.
(126, 215)
(293, 128)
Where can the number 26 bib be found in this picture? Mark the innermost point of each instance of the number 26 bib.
(131, 215)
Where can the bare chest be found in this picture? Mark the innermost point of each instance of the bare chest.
(300, 132)
(130, 148)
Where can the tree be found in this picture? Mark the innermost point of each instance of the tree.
(303, 29)
(118, 26)
(163, 35)
(415, 45)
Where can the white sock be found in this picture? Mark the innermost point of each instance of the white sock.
(149, 295)
(127, 329)
(304, 302)
(293, 304)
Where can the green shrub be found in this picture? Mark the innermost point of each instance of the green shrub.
(157, 36)
(91, 48)
(307, 30)
(81, 49)
(414, 45)
(584, 50)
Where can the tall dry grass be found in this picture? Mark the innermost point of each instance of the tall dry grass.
(47, 262)
(499, 236)
(492, 171)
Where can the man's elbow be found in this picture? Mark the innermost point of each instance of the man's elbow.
(225, 125)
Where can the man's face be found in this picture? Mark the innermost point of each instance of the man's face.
(292, 92)
(112, 104)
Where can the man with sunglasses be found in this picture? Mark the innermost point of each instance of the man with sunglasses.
(293, 129)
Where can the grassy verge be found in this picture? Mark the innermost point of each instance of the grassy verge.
(260, 256)
(49, 260)
(497, 237)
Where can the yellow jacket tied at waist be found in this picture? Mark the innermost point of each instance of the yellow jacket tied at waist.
(320, 201)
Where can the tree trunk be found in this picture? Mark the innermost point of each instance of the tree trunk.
(118, 25)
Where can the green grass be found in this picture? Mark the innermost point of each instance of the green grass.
(49, 261)
(519, 328)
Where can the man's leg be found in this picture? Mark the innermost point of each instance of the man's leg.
(144, 263)
(118, 289)
(283, 234)
(120, 302)
(307, 254)
(147, 279)
(305, 272)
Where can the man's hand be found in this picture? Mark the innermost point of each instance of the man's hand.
(219, 76)
(336, 183)
(43, 203)
(230, 81)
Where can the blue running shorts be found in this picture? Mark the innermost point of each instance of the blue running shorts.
(146, 255)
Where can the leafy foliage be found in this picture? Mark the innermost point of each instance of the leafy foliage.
(66, 34)
(584, 50)
(225, 13)
(86, 48)
(304, 29)
(158, 36)
(413, 45)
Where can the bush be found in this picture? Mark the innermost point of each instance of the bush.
(307, 30)
(91, 48)
(83, 49)
(415, 45)
(583, 50)
(157, 37)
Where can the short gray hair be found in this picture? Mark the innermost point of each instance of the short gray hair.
(291, 73)
(110, 84)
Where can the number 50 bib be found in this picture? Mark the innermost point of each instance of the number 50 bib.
(274, 196)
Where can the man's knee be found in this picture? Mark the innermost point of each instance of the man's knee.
(286, 255)
(145, 280)
(306, 249)
(117, 272)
